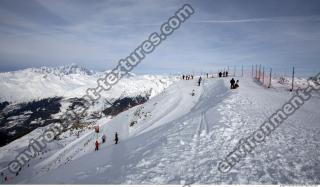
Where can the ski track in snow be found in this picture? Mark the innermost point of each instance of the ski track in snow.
(186, 141)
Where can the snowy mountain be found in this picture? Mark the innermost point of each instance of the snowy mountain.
(37, 83)
(70, 81)
(177, 138)
(33, 98)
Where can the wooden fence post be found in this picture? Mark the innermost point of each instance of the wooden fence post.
(263, 76)
(242, 71)
(292, 79)
(259, 72)
(270, 78)
(252, 71)
(256, 71)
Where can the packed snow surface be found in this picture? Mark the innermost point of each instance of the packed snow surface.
(177, 138)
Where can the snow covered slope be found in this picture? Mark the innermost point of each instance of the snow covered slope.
(176, 138)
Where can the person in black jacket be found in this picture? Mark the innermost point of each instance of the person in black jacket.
(232, 81)
(116, 139)
(199, 81)
(103, 138)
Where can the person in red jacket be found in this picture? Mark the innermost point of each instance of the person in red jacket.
(97, 146)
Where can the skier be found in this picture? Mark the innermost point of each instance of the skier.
(199, 81)
(97, 146)
(232, 83)
(227, 74)
(220, 74)
(116, 139)
(192, 93)
(207, 75)
(224, 74)
(103, 138)
(182, 77)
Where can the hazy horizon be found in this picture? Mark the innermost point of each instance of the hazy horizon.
(277, 70)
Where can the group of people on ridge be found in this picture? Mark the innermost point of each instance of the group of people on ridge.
(223, 74)
(103, 140)
(187, 77)
(233, 84)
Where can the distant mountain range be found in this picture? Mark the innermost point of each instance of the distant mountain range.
(63, 70)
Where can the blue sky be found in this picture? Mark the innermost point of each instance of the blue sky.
(97, 33)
